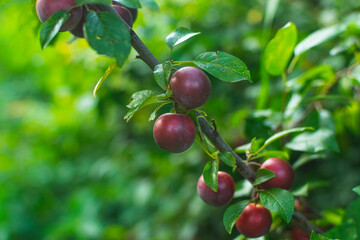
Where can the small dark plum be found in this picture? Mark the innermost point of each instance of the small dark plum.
(46, 8)
(254, 221)
(284, 174)
(224, 194)
(78, 30)
(133, 11)
(174, 132)
(124, 14)
(191, 87)
(299, 234)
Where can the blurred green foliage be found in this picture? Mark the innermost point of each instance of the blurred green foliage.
(72, 168)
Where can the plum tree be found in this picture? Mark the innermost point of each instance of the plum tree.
(284, 174)
(46, 8)
(254, 221)
(299, 234)
(174, 132)
(191, 87)
(224, 194)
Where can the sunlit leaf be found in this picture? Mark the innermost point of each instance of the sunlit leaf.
(52, 26)
(281, 134)
(279, 201)
(262, 175)
(178, 36)
(357, 190)
(109, 70)
(273, 154)
(210, 174)
(305, 158)
(320, 140)
(223, 66)
(315, 236)
(151, 4)
(336, 98)
(162, 74)
(280, 49)
(318, 37)
(108, 35)
(232, 213)
(228, 159)
(130, 3)
(140, 100)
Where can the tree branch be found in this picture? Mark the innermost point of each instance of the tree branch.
(305, 224)
(136, 42)
(213, 135)
(245, 170)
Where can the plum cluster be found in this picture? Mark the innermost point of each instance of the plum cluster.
(191, 88)
(46, 8)
(175, 133)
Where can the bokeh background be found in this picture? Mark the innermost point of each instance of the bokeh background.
(72, 168)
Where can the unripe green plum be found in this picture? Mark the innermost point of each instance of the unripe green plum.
(254, 221)
(224, 194)
(46, 8)
(284, 174)
(174, 132)
(191, 87)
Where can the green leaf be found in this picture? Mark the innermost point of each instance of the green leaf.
(280, 49)
(315, 236)
(318, 37)
(305, 158)
(279, 201)
(336, 98)
(223, 66)
(210, 174)
(323, 72)
(151, 4)
(178, 36)
(109, 70)
(140, 100)
(262, 175)
(303, 191)
(243, 188)
(254, 144)
(51, 27)
(130, 3)
(284, 133)
(273, 154)
(153, 114)
(357, 190)
(162, 74)
(232, 213)
(82, 2)
(350, 228)
(108, 35)
(321, 140)
(228, 159)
